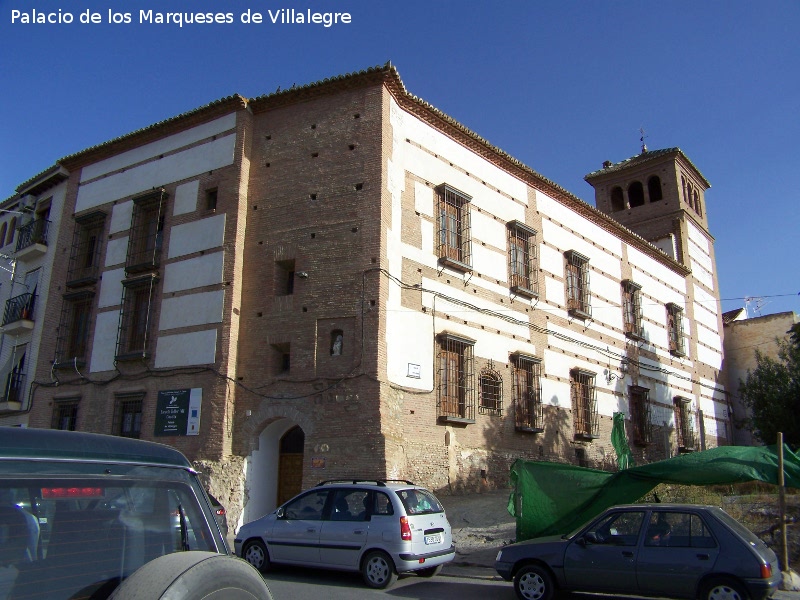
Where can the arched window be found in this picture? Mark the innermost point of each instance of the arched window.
(654, 188)
(697, 206)
(3, 234)
(635, 194)
(11, 230)
(617, 199)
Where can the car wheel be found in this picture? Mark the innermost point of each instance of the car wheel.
(256, 554)
(429, 571)
(723, 589)
(533, 582)
(378, 570)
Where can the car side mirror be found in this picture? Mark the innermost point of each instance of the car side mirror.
(279, 513)
(591, 537)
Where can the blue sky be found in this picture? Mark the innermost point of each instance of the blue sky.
(561, 85)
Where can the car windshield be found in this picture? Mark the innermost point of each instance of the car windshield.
(419, 502)
(79, 536)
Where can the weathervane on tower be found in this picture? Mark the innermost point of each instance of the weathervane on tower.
(641, 139)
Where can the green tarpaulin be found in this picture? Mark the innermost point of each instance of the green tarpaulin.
(554, 498)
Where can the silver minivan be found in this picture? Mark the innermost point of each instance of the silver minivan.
(378, 527)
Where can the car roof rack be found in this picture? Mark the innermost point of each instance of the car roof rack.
(379, 482)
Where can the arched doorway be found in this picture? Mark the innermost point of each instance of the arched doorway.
(290, 464)
(274, 469)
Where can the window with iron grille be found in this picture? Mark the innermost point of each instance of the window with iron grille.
(134, 323)
(147, 228)
(455, 245)
(65, 414)
(456, 390)
(73, 329)
(577, 275)
(128, 415)
(639, 403)
(526, 389)
(684, 427)
(491, 402)
(675, 329)
(632, 309)
(584, 404)
(84, 257)
(522, 259)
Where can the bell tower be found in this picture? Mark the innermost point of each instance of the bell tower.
(659, 195)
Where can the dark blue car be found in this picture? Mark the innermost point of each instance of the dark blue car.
(667, 550)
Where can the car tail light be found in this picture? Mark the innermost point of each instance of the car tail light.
(220, 512)
(405, 529)
(766, 571)
(72, 492)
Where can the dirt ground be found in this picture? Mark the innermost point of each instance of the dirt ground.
(481, 525)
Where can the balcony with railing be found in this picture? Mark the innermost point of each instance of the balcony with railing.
(32, 239)
(18, 314)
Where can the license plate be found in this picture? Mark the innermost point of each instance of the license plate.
(433, 539)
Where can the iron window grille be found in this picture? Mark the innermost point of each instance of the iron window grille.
(456, 388)
(454, 241)
(15, 384)
(675, 330)
(34, 232)
(639, 403)
(19, 308)
(526, 389)
(522, 260)
(128, 416)
(578, 295)
(72, 340)
(584, 404)
(134, 322)
(491, 402)
(84, 257)
(146, 236)
(684, 426)
(632, 309)
(65, 415)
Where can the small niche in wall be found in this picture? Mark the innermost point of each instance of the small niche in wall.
(337, 342)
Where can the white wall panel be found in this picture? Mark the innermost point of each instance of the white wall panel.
(489, 263)
(410, 339)
(698, 237)
(551, 260)
(433, 140)
(196, 236)
(193, 273)
(569, 218)
(709, 357)
(423, 199)
(186, 198)
(566, 240)
(186, 349)
(162, 146)
(104, 347)
(554, 292)
(111, 288)
(702, 275)
(643, 263)
(465, 314)
(183, 165)
(193, 309)
(486, 229)
(117, 251)
(121, 216)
